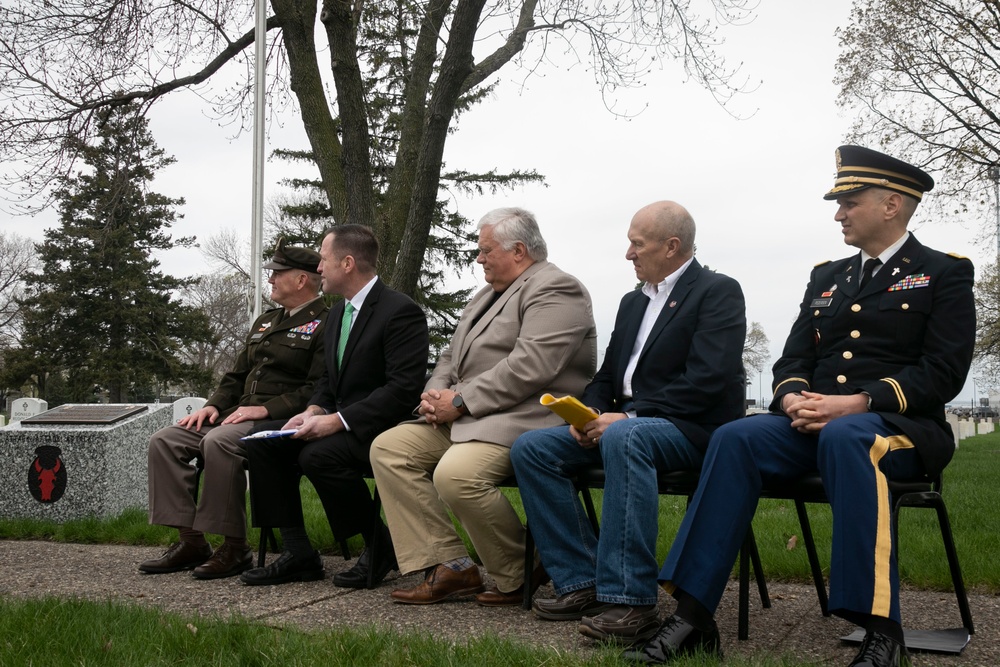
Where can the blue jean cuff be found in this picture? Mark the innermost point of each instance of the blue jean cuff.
(583, 585)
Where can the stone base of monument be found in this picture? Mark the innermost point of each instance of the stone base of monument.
(77, 461)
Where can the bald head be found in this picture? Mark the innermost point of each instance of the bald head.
(661, 240)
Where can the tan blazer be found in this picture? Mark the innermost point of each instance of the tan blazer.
(539, 336)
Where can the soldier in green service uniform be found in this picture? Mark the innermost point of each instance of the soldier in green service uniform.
(272, 379)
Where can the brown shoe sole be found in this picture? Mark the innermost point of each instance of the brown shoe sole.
(465, 592)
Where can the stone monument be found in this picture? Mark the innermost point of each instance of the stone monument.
(76, 461)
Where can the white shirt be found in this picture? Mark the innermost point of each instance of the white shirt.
(357, 301)
(885, 255)
(658, 295)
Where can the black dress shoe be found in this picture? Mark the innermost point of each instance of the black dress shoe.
(675, 637)
(357, 576)
(878, 650)
(180, 556)
(284, 569)
(571, 606)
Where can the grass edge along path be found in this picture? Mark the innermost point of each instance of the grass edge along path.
(51, 631)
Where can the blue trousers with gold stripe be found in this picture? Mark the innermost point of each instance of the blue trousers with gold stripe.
(855, 455)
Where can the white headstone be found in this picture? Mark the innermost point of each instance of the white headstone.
(186, 406)
(24, 408)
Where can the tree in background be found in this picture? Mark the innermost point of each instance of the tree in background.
(402, 72)
(99, 317)
(988, 323)
(923, 78)
(17, 259)
(222, 298)
(755, 350)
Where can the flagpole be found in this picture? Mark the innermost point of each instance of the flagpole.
(257, 227)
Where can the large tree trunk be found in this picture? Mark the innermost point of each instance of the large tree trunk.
(298, 23)
(338, 20)
(397, 199)
(456, 66)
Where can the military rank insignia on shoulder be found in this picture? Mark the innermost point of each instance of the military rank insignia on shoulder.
(957, 256)
(823, 263)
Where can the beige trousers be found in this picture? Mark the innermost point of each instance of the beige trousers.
(421, 474)
(221, 509)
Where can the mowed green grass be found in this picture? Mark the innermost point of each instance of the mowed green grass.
(74, 632)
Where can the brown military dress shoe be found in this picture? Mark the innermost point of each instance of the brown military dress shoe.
(440, 584)
(571, 606)
(180, 556)
(494, 597)
(622, 623)
(227, 561)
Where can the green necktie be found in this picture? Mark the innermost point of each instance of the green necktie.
(345, 331)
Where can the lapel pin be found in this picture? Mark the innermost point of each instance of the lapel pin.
(895, 270)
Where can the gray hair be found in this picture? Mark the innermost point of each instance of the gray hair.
(511, 225)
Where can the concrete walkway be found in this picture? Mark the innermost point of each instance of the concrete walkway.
(792, 626)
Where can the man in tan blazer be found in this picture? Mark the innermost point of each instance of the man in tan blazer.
(530, 331)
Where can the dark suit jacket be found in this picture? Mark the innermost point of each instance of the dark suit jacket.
(385, 363)
(278, 366)
(690, 370)
(906, 339)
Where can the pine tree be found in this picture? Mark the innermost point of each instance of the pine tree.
(101, 318)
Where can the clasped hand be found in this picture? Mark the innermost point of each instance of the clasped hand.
(436, 407)
(810, 411)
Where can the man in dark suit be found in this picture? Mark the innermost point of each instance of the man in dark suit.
(671, 375)
(376, 362)
(272, 379)
(882, 341)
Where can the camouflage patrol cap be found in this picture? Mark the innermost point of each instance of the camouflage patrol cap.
(293, 257)
(859, 168)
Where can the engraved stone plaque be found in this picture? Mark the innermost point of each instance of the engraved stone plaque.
(97, 413)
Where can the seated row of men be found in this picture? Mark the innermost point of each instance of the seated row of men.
(882, 341)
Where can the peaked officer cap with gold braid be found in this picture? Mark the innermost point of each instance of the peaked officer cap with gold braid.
(859, 168)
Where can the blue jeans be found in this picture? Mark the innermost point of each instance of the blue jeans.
(622, 565)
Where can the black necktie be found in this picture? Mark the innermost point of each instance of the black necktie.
(866, 271)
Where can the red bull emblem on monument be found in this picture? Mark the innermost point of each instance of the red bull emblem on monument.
(47, 475)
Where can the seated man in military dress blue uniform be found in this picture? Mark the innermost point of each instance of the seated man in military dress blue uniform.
(882, 342)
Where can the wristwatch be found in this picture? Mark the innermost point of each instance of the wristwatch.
(459, 404)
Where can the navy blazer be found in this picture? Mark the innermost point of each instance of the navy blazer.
(690, 370)
(385, 363)
(906, 339)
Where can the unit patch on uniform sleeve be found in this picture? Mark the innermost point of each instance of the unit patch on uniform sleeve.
(912, 282)
(307, 328)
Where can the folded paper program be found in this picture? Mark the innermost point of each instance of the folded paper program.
(569, 408)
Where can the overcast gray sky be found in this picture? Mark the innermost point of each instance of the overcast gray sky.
(753, 186)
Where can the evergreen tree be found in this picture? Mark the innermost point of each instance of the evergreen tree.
(100, 317)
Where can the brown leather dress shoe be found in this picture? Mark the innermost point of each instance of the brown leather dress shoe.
(494, 597)
(180, 556)
(441, 583)
(622, 623)
(227, 561)
(571, 606)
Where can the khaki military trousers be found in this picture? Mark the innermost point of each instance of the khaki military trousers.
(421, 474)
(221, 508)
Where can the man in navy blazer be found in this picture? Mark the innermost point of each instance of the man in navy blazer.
(376, 363)
(672, 374)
